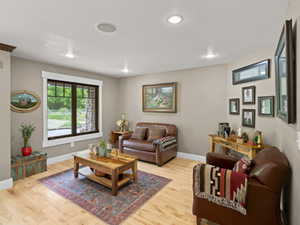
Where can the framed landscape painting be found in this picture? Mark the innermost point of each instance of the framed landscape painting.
(160, 98)
(24, 101)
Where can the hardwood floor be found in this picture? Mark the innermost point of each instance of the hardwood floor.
(31, 203)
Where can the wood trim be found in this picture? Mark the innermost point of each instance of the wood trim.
(7, 48)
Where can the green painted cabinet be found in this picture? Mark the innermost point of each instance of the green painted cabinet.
(25, 166)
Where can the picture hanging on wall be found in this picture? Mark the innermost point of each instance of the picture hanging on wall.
(248, 94)
(253, 72)
(285, 75)
(234, 106)
(24, 101)
(266, 106)
(248, 118)
(160, 98)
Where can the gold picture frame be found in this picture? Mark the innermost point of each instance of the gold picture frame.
(24, 101)
(160, 98)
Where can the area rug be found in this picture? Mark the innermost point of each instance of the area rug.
(98, 200)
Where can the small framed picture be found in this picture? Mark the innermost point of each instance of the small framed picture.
(248, 94)
(234, 106)
(248, 118)
(266, 106)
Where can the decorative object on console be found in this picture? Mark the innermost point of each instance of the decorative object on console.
(27, 131)
(160, 98)
(256, 71)
(248, 118)
(285, 75)
(24, 101)
(258, 139)
(234, 106)
(248, 94)
(223, 128)
(122, 123)
(25, 166)
(266, 106)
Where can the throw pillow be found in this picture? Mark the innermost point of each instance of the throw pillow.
(243, 165)
(139, 133)
(155, 133)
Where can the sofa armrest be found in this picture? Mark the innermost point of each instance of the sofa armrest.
(220, 160)
(122, 138)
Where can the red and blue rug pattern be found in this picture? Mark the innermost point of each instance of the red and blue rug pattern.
(98, 200)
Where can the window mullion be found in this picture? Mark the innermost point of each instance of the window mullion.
(74, 110)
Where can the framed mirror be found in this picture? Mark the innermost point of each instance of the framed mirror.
(285, 75)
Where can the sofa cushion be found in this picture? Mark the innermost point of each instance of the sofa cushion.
(139, 133)
(155, 133)
(243, 165)
(139, 145)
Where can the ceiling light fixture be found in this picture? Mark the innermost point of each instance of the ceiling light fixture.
(106, 27)
(70, 55)
(175, 19)
(210, 55)
(125, 70)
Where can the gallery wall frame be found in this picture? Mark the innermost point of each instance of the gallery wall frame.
(266, 106)
(234, 106)
(248, 95)
(253, 72)
(248, 118)
(285, 75)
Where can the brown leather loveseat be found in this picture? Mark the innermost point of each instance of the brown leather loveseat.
(270, 173)
(145, 149)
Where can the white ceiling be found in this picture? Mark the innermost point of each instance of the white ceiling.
(44, 30)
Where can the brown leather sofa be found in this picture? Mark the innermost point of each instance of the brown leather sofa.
(146, 150)
(269, 175)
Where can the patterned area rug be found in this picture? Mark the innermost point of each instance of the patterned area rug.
(98, 200)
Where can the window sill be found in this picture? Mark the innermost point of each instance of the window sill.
(68, 140)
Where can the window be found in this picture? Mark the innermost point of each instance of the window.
(71, 111)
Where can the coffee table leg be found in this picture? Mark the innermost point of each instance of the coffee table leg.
(134, 171)
(76, 168)
(114, 180)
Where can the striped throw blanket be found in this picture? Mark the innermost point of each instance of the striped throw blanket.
(166, 143)
(220, 186)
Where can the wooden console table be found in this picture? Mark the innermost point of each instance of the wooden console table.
(246, 149)
(115, 137)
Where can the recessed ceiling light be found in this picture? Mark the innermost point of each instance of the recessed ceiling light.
(210, 55)
(125, 70)
(175, 19)
(106, 27)
(70, 55)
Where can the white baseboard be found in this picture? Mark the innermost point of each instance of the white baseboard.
(191, 156)
(64, 157)
(6, 184)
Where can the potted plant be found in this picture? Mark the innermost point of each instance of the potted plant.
(27, 130)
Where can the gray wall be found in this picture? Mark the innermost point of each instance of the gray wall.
(276, 132)
(26, 75)
(201, 104)
(5, 75)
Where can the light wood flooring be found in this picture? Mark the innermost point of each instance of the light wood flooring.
(31, 203)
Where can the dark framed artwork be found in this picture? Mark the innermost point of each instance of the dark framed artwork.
(266, 106)
(234, 106)
(285, 75)
(160, 98)
(248, 118)
(248, 95)
(253, 72)
(24, 101)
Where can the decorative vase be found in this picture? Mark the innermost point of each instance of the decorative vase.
(26, 151)
(102, 152)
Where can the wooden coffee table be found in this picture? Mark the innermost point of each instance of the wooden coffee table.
(112, 170)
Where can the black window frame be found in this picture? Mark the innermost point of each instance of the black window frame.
(74, 108)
